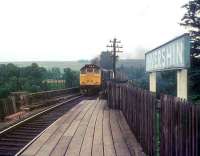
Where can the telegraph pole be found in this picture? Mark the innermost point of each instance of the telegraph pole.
(115, 49)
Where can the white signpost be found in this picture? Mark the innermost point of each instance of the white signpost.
(173, 55)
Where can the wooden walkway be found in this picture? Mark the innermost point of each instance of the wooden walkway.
(88, 129)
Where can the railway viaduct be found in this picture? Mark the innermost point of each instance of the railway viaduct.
(126, 121)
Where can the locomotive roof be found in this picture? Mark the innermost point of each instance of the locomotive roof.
(90, 66)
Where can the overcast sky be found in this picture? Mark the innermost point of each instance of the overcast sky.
(39, 30)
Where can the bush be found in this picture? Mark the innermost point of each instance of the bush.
(4, 92)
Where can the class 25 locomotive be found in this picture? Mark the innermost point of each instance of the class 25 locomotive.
(93, 78)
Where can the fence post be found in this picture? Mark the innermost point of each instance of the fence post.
(2, 113)
(13, 99)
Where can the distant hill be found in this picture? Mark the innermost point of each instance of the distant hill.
(76, 65)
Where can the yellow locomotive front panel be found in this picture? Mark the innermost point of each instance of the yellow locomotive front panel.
(90, 79)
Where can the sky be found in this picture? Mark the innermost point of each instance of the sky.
(61, 30)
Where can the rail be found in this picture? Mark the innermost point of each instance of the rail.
(17, 137)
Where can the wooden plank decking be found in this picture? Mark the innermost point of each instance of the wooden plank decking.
(89, 129)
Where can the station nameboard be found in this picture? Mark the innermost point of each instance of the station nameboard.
(174, 54)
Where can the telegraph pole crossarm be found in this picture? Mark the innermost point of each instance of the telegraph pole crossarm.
(115, 49)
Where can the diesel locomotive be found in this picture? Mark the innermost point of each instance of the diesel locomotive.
(93, 78)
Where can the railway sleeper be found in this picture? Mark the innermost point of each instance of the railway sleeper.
(23, 134)
(7, 153)
(11, 136)
(15, 140)
(33, 128)
(10, 144)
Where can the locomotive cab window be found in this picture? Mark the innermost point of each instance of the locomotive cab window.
(89, 70)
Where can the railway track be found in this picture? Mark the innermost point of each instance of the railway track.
(15, 138)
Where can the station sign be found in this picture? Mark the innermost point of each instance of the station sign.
(174, 54)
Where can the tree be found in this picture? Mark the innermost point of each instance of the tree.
(135, 74)
(31, 78)
(71, 78)
(167, 82)
(191, 20)
(9, 79)
(56, 73)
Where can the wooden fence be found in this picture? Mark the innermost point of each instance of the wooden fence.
(138, 107)
(166, 127)
(180, 127)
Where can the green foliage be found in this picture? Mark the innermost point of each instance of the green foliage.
(71, 78)
(4, 92)
(32, 78)
(166, 82)
(13, 78)
(137, 75)
(54, 73)
(191, 20)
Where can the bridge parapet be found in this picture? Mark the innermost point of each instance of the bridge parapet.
(45, 95)
(19, 100)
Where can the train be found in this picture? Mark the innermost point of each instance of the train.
(93, 78)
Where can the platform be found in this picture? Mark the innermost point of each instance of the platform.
(88, 129)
